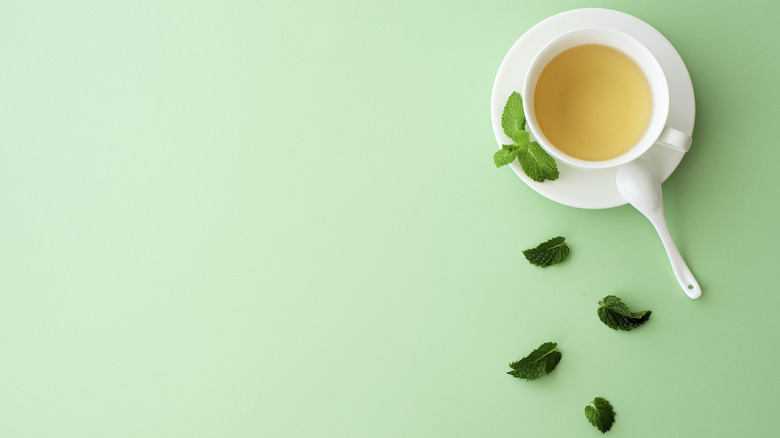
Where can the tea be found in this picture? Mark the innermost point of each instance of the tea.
(592, 102)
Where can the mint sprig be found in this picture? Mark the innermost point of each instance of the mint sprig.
(616, 315)
(537, 364)
(535, 162)
(600, 414)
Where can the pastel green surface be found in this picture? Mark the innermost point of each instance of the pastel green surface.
(244, 219)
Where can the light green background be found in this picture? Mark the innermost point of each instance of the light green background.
(256, 219)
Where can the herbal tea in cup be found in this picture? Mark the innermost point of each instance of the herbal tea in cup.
(598, 98)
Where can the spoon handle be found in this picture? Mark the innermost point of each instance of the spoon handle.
(684, 275)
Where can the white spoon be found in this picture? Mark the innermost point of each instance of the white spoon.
(642, 189)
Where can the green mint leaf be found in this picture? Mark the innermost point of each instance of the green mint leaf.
(600, 414)
(513, 117)
(537, 364)
(548, 253)
(505, 155)
(536, 163)
(616, 315)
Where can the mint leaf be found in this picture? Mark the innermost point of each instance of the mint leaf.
(616, 315)
(600, 414)
(548, 253)
(505, 155)
(513, 117)
(537, 364)
(536, 163)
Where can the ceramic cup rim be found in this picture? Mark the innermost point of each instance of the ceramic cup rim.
(627, 45)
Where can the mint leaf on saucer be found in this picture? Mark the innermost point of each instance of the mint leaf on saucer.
(513, 117)
(505, 155)
(534, 161)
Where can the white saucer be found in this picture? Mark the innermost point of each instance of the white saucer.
(595, 188)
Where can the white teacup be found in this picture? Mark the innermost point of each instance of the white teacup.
(657, 131)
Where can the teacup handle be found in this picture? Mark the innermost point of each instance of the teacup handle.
(674, 139)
